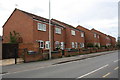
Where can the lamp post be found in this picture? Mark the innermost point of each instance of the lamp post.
(49, 30)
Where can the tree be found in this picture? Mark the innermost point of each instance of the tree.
(14, 36)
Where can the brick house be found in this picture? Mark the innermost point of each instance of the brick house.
(104, 39)
(74, 38)
(113, 40)
(90, 36)
(33, 29)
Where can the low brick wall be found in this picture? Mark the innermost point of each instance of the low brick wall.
(32, 57)
(99, 50)
(29, 47)
(57, 55)
(71, 53)
(84, 51)
(93, 50)
(41, 54)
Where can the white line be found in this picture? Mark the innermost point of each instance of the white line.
(93, 71)
(116, 68)
(116, 60)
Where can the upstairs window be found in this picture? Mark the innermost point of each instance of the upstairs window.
(57, 30)
(98, 36)
(108, 38)
(72, 32)
(95, 35)
(82, 34)
(41, 27)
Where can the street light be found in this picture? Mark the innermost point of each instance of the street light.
(49, 30)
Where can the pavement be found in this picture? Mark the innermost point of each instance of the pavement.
(11, 61)
(8, 66)
(104, 66)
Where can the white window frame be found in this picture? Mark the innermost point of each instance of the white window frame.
(58, 30)
(82, 45)
(47, 44)
(99, 44)
(82, 34)
(95, 43)
(73, 45)
(98, 36)
(40, 43)
(62, 45)
(76, 45)
(72, 32)
(57, 44)
(95, 35)
(41, 27)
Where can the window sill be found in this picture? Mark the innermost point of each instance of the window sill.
(58, 33)
(42, 30)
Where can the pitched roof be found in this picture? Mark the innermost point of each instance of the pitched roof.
(40, 18)
(82, 27)
(33, 16)
(99, 32)
(67, 25)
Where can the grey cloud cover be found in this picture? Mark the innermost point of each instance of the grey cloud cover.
(98, 14)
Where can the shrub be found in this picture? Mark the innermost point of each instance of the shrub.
(104, 46)
(90, 45)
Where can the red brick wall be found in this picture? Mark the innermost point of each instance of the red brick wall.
(29, 46)
(40, 35)
(44, 35)
(69, 38)
(58, 37)
(97, 39)
(89, 36)
(75, 38)
(113, 40)
(103, 39)
(22, 24)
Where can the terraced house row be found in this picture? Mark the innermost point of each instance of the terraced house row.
(34, 30)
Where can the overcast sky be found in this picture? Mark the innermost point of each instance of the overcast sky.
(99, 14)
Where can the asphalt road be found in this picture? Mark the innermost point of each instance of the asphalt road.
(104, 66)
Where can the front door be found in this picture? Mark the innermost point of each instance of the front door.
(62, 45)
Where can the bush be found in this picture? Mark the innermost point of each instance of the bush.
(104, 46)
(90, 45)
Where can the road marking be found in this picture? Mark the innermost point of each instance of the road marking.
(116, 68)
(93, 71)
(116, 60)
(106, 75)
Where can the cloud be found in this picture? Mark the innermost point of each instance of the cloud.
(99, 14)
